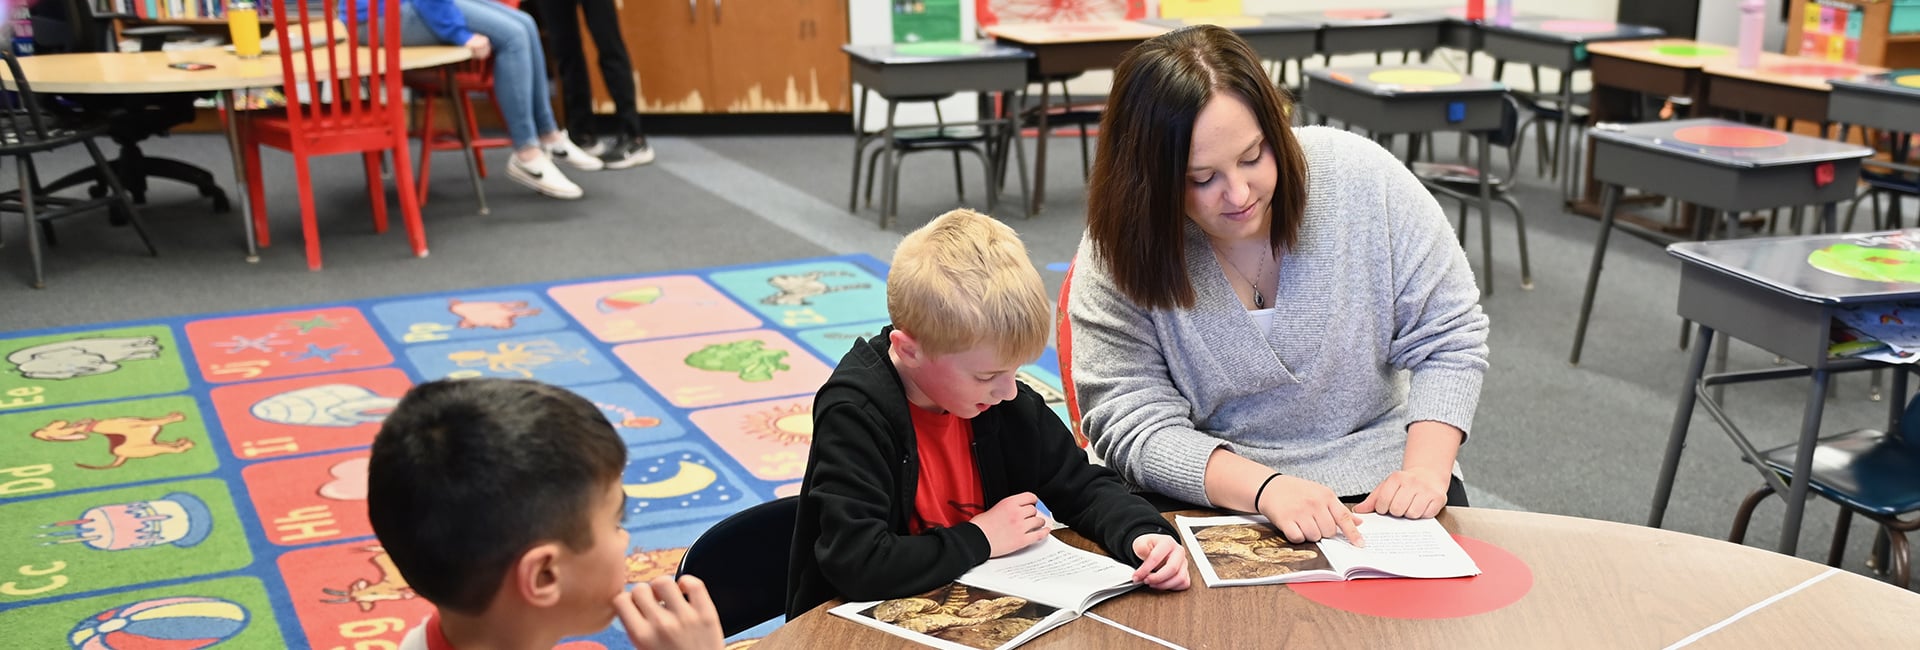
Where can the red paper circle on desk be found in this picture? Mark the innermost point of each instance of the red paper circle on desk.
(1821, 70)
(1502, 581)
(1357, 14)
(1730, 137)
(1577, 26)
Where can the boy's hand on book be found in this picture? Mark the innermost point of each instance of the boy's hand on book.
(1012, 524)
(1410, 493)
(668, 615)
(1305, 511)
(1162, 564)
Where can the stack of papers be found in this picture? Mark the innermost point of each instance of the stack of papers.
(1885, 332)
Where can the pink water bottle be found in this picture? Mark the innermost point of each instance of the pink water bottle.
(1753, 28)
(1503, 13)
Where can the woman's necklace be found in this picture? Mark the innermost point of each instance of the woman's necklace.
(1259, 301)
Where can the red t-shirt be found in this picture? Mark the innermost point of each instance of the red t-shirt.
(949, 490)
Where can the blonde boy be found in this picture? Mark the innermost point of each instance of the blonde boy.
(929, 457)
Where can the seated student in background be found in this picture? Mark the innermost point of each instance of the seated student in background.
(500, 502)
(520, 85)
(1267, 319)
(928, 456)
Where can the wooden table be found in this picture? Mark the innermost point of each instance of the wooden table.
(1666, 67)
(1062, 49)
(1792, 87)
(1596, 584)
(147, 72)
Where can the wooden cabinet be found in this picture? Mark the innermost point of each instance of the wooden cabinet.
(734, 56)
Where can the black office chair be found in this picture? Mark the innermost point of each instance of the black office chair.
(130, 118)
(743, 561)
(26, 129)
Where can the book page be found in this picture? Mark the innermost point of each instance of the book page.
(958, 617)
(1056, 573)
(1246, 550)
(1412, 548)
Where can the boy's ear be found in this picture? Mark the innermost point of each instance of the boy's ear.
(536, 575)
(905, 346)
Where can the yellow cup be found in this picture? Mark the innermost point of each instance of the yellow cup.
(244, 27)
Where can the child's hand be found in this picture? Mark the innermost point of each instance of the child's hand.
(1162, 564)
(665, 615)
(1305, 511)
(1410, 493)
(1012, 524)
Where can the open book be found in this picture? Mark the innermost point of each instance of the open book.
(1246, 550)
(1004, 602)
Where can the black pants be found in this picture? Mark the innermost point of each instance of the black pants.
(562, 21)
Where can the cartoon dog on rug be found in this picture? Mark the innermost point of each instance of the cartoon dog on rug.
(392, 586)
(127, 437)
(82, 357)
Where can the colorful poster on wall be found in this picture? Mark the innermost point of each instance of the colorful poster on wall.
(1020, 12)
(1831, 32)
(918, 21)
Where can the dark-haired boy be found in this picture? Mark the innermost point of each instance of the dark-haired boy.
(500, 502)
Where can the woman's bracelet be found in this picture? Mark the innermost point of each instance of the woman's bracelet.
(1262, 490)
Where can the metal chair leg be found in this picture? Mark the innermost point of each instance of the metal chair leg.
(119, 193)
(33, 223)
(1837, 551)
(1744, 515)
(1520, 229)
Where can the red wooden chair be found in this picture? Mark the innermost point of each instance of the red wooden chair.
(470, 77)
(1063, 345)
(364, 113)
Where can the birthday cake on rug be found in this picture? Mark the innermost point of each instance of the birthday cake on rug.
(179, 519)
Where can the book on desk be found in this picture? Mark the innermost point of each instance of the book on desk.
(1241, 550)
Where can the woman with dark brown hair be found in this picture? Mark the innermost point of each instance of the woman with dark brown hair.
(1267, 319)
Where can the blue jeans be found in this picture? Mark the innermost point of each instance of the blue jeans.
(519, 67)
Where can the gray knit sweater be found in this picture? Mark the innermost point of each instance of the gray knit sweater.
(1377, 326)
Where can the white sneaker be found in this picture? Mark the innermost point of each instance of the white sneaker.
(630, 152)
(564, 150)
(541, 175)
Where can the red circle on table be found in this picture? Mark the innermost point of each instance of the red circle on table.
(1503, 580)
(1821, 70)
(1577, 26)
(1357, 14)
(1731, 137)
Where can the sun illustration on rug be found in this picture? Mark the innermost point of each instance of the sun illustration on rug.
(787, 424)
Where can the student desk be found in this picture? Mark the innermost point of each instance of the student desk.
(935, 69)
(1715, 164)
(1415, 99)
(1274, 38)
(1887, 100)
(1589, 584)
(1622, 70)
(147, 72)
(1780, 86)
(1061, 49)
(1359, 31)
(1769, 292)
(1562, 45)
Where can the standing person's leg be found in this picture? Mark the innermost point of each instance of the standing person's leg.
(562, 20)
(616, 70)
(519, 85)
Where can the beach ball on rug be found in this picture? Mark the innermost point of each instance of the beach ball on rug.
(629, 299)
(179, 623)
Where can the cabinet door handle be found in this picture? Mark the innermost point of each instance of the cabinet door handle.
(716, 11)
(693, 12)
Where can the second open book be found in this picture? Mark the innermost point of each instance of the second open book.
(1246, 550)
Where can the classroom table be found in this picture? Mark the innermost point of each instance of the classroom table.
(1359, 31)
(1415, 100)
(936, 69)
(1718, 165)
(1272, 37)
(1062, 49)
(1580, 583)
(1781, 294)
(118, 73)
(1560, 44)
(1622, 70)
(1792, 87)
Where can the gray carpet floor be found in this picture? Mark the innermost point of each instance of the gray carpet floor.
(1583, 441)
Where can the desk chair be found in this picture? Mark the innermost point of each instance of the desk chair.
(982, 138)
(1462, 183)
(133, 118)
(25, 129)
(1873, 473)
(743, 560)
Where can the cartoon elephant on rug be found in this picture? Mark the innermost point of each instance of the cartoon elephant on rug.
(82, 357)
